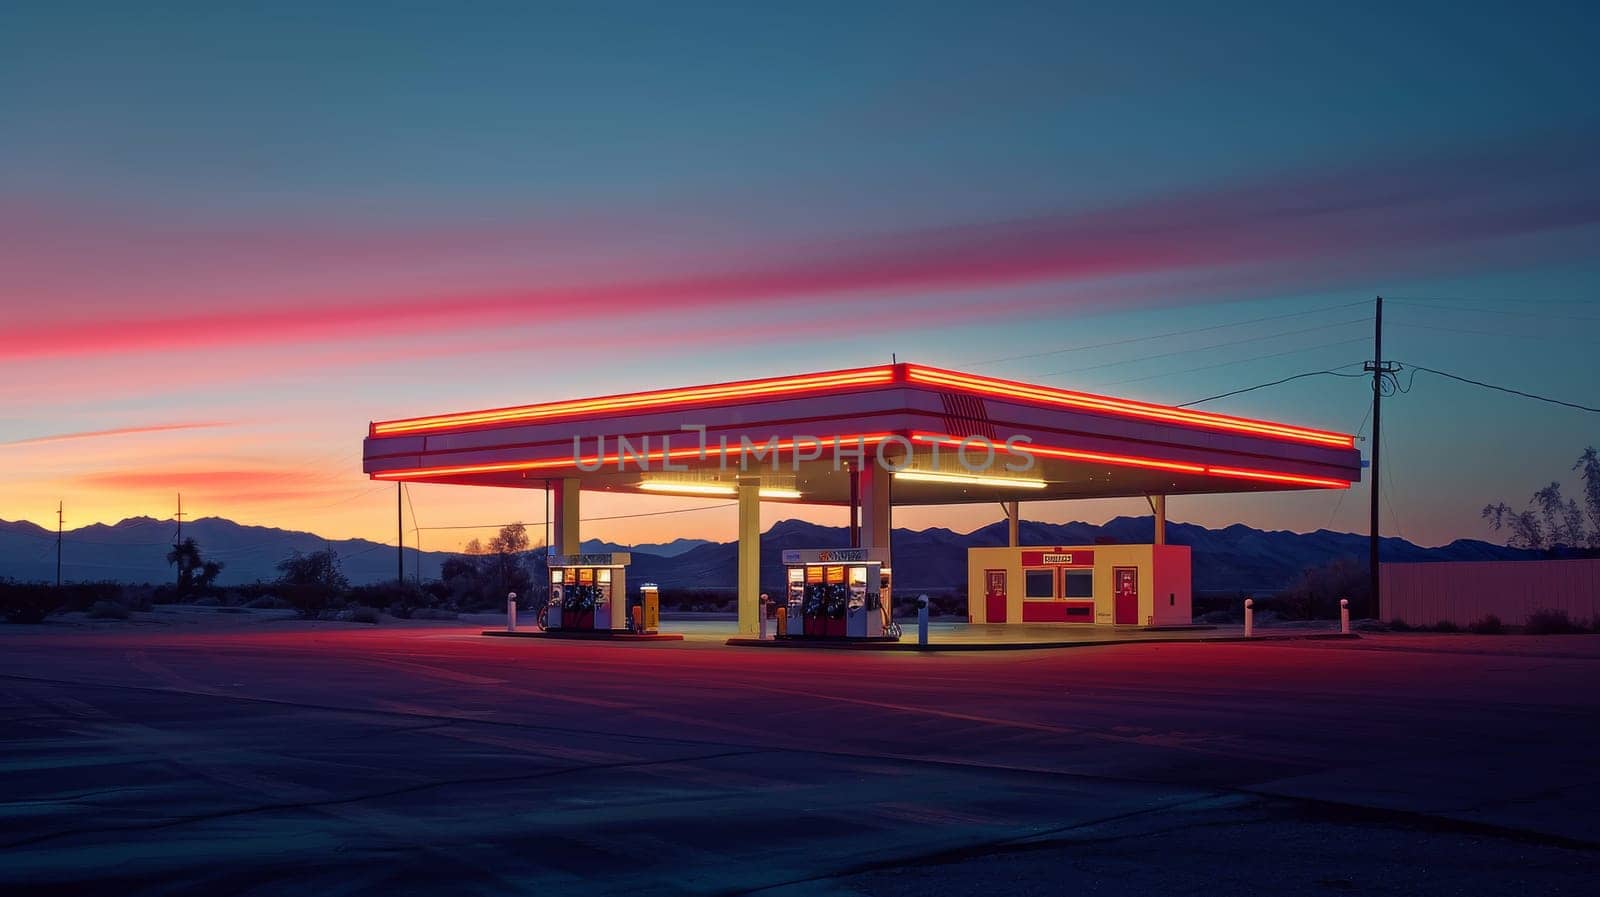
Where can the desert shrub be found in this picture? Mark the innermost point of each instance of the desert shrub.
(1399, 625)
(107, 610)
(246, 592)
(80, 596)
(433, 613)
(208, 601)
(1316, 593)
(1550, 622)
(28, 602)
(940, 604)
(399, 599)
(1488, 624)
(272, 602)
(310, 600)
(136, 597)
(1202, 603)
(1446, 626)
(311, 583)
(360, 614)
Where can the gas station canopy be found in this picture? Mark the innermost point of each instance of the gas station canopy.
(802, 434)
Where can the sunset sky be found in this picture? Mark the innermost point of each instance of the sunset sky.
(230, 239)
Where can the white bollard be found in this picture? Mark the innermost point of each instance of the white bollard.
(922, 619)
(1249, 617)
(762, 616)
(511, 611)
(1344, 615)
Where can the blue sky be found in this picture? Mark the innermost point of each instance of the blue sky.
(240, 234)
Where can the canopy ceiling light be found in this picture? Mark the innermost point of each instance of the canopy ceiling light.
(967, 479)
(686, 487)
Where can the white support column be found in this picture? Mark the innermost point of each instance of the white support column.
(749, 555)
(875, 502)
(567, 538)
(1158, 507)
(1012, 512)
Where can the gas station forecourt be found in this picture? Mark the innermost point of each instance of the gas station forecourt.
(869, 439)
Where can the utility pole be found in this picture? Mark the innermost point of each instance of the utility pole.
(399, 535)
(544, 583)
(59, 507)
(179, 540)
(1379, 369)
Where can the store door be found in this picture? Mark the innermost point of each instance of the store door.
(1127, 594)
(995, 596)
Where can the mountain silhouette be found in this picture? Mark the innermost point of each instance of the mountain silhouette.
(1237, 557)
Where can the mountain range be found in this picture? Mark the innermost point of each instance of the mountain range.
(1237, 557)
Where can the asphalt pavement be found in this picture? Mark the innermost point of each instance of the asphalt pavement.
(265, 756)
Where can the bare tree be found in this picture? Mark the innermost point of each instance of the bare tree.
(1589, 465)
(505, 558)
(1525, 531)
(1553, 521)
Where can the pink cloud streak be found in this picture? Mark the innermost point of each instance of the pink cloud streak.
(116, 431)
(1362, 216)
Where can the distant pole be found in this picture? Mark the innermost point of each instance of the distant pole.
(59, 507)
(399, 536)
(180, 519)
(544, 586)
(1379, 369)
(416, 536)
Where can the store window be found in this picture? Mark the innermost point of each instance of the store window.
(1079, 583)
(1039, 583)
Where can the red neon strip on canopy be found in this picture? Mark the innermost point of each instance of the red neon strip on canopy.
(1241, 473)
(1271, 477)
(1076, 455)
(614, 458)
(1013, 390)
(805, 383)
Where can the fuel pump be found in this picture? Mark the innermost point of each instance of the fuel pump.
(587, 592)
(794, 616)
(649, 608)
(834, 593)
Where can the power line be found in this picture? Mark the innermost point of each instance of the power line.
(416, 531)
(1184, 332)
(342, 501)
(1388, 500)
(1237, 342)
(1235, 361)
(1494, 333)
(1438, 304)
(1360, 428)
(1515, 392)
(1516, 300)
(1332, 372)
(586, 519)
